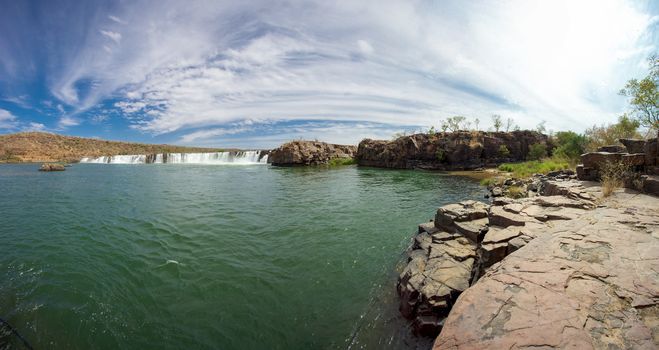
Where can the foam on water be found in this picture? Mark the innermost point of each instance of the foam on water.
(233, 157)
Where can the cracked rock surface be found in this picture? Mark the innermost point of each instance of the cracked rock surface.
(587, 281)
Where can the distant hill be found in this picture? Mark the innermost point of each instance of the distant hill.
(47, 147)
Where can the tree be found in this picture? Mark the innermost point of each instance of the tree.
(644, 96)
(625, 128)
(570, 145)
(510, 124)
(541, 127)
(537, 151)
(476, 122)
(455, 123)
(496, 120)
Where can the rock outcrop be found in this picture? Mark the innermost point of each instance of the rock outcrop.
(309, 153)
(52, 167)
(461, 150)
(639, 157)
(588, 282)
(467, 238)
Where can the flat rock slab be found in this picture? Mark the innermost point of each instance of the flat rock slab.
(587, 283)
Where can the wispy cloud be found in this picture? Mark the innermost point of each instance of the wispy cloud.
(67, 122)
(116, 19)
(174, 67)
(114, 36)
(32, 126)
(7, 120)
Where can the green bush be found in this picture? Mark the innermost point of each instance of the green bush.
(526, 169)
(341, 161)
(440, 154)
(503, 151)
(570, 145)
(537, 151)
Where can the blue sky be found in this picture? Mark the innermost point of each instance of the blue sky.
(258, 73)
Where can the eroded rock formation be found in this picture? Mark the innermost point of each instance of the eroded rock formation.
(449, 151)
(590, 282)
(309, 153)
(558, 269)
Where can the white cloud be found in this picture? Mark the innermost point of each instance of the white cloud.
(7, 120)
(365, 47)
(116, 19)
(32, 126)
(398, 62)
(114, 36)
(67, 121)
(99, 118)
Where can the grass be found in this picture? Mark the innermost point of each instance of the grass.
(613, 177)
(341, 161)
(516, 192)
(526, 169)
(492, 181)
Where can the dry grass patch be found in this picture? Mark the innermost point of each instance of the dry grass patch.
(613, 176)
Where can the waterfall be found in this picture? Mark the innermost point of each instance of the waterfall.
(234, 157)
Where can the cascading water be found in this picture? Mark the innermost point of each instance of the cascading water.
(239, 157)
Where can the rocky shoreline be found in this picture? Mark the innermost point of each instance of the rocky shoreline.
(559, 268)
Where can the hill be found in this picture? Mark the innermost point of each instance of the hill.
(47, 147)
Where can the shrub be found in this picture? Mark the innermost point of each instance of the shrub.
(526, 169)
(537, 151)
(504, 151)
(570, 145)
(516, 192)
(440, 154)
(613, 176)
(341, 161)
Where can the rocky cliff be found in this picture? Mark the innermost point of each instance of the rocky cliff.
(461, 150)
(309, 153)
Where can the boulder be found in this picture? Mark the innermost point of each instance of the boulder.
(634, 159)
(586, 174)
(464, 211)
(309, 153)
(651, 185)
(52, 167)
(651, 151)
(596, 160)
(612, 149)
(633, 145)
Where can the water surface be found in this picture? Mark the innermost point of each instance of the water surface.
(173, 256)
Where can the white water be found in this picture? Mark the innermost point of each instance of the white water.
(246, 157)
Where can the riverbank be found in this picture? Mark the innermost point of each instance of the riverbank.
(564, 267)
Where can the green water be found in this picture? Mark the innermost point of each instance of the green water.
(210, 257)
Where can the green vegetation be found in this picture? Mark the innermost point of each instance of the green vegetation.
(537, 151)
(570, 145)
(440, 154)
(526, 169)
(504, 151)
(496, 122)
(341, 161)
(644, 96)
(605, 135)
(492, 181)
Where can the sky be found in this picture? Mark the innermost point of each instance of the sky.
(255, 74)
